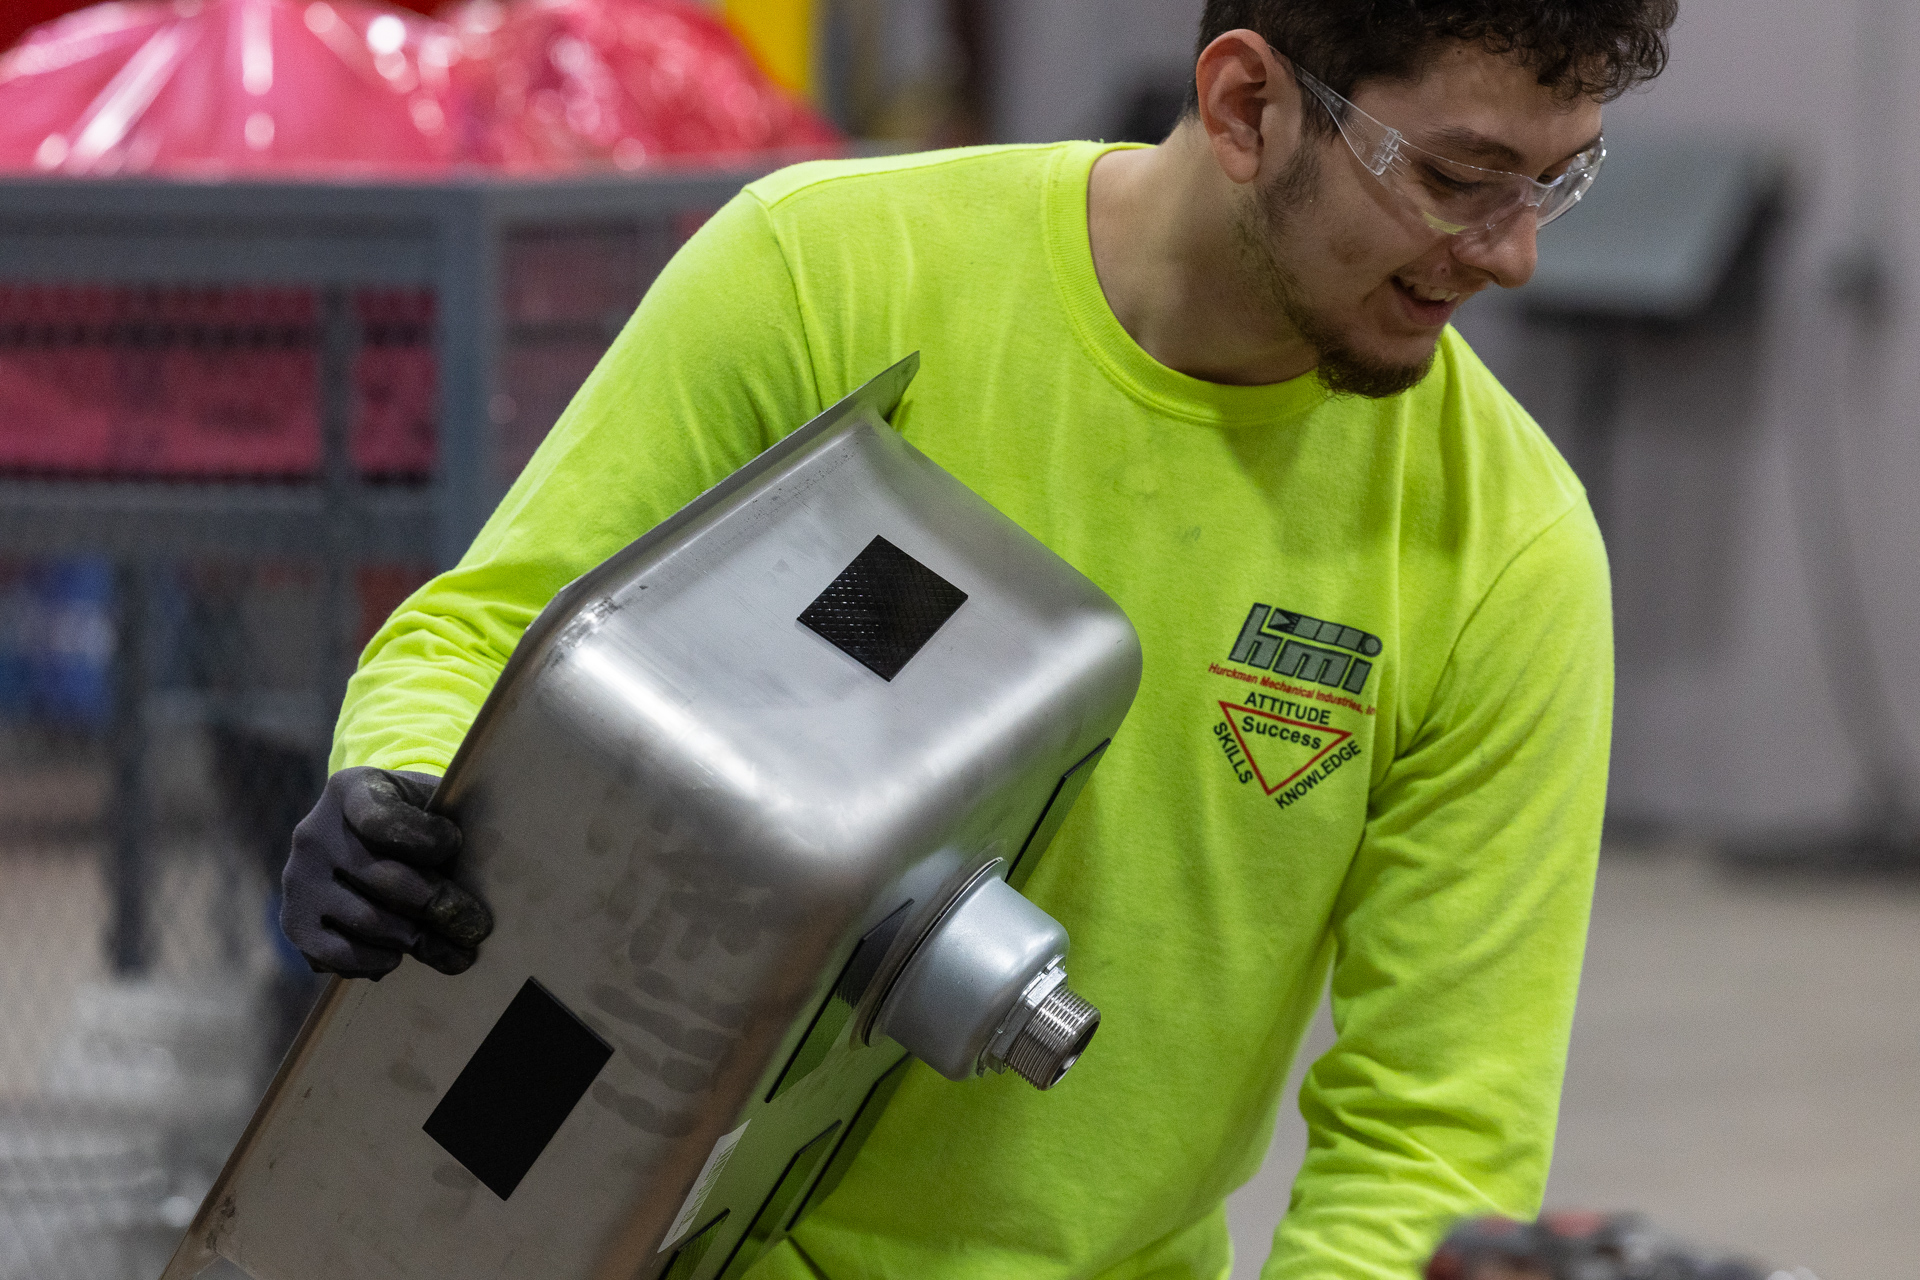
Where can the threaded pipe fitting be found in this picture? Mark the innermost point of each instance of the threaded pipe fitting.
(1054, 1038)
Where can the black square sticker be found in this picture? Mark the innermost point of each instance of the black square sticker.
(883, 608)
(520, 1084)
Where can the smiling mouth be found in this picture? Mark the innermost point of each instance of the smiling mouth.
(1427, 293)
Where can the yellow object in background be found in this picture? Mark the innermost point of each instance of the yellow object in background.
(779, 33)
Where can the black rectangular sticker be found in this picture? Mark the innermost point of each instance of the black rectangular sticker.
(519, 1086)
(883, 608)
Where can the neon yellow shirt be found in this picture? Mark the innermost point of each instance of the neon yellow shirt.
(1371, 738)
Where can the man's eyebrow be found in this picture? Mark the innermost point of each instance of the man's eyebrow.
(1493, 153)
(1460, 138)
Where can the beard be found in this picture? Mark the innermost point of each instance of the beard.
(1267, 220)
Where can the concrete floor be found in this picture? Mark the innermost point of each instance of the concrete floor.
(1745, 1068)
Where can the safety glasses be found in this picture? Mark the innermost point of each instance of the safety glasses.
(1453, 198)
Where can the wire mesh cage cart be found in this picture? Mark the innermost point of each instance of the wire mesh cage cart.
(238, 423)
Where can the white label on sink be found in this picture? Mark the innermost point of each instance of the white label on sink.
(709, 1174)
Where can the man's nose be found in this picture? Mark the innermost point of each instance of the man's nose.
(1508, 252)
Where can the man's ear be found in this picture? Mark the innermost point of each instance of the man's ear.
(1249, 105)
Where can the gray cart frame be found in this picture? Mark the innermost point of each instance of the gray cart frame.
(449, 237)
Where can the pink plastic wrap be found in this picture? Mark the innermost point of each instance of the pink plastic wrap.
(224, 382)
(211, 88)
(556, 85)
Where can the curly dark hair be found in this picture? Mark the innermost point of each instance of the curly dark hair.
(1578, 48)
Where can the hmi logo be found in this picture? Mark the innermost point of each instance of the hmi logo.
(1288, 644)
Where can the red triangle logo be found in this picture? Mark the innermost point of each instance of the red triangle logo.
(1279, 749)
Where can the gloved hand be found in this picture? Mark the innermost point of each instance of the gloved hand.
(363, 885)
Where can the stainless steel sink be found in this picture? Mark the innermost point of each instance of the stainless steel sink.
(752, 803)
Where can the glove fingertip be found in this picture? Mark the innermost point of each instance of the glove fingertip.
(437, 953)
(441, 838)
(460, 916)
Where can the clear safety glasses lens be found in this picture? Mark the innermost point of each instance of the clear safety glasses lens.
(1452, 197)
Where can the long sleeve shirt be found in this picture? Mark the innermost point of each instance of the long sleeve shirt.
(1369, 747)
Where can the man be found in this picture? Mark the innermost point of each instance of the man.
(1370, 745)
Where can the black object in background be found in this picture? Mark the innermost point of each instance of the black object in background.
(1576, 1246)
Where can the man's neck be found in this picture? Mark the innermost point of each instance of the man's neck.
(1174, 271)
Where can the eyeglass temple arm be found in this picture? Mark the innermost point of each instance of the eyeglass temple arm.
(1377, 157)
(1381, 154)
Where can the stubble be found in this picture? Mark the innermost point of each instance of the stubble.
(1266, 222)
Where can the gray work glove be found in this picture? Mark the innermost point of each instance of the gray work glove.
(363, 885)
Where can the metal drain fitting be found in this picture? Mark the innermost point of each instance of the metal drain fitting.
(1053, 1037)
(985, 990)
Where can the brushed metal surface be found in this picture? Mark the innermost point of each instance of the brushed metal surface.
(686, 809)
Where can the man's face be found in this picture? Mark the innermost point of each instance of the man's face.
(1354, 268)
